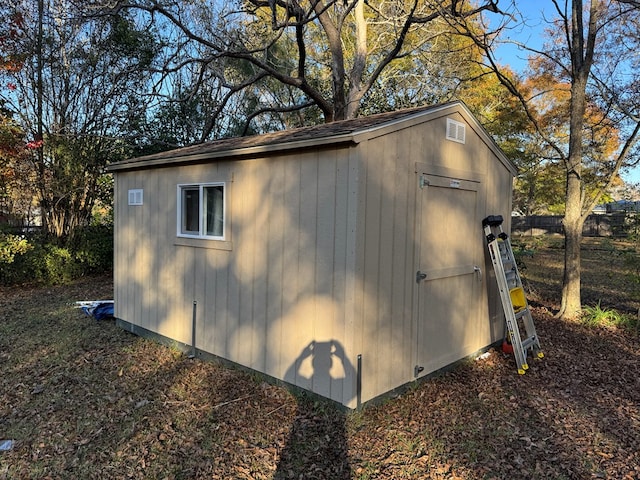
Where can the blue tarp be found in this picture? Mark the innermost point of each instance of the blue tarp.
(100, 310)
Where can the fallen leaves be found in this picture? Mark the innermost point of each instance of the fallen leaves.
(84, 399)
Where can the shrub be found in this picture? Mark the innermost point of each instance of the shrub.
(12, 245)
(39, 260)
(12, 248)
(92, 247)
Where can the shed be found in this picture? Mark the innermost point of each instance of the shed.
(346, 258)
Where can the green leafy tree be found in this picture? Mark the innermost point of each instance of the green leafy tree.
(76, 96)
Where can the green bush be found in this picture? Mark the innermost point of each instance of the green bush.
(12, 245)
(92, 247)
(38, 260)
(13, 249)
(56, 265)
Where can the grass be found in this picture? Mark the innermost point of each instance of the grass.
(596, 316)
(84, 399)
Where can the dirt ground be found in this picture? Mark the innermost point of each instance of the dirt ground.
(84, 399)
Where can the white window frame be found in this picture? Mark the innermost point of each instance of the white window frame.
(201, 220)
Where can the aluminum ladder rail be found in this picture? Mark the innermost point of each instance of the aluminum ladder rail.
(514, 302)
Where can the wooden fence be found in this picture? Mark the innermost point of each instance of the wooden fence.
(606, 225)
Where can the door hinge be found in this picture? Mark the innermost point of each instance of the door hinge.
(417, 370)
(423, 182)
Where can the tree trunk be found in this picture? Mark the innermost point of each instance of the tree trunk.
(573, 222)
(571, 306)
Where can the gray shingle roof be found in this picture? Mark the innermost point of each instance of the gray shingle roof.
(336, 132)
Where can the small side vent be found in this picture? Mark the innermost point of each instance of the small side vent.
(456, 131)
(135, 196)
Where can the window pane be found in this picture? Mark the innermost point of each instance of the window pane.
(214, 211)
(190, 210)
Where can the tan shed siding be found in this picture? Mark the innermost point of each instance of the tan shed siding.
(389, 241)
(119, 248)
(470, 156)
(128, 247)
(344, 389)
(388, 260)
(281, 286)
(275, 281)
(476, 156)
(404, 250)
(499, 200)
(320, 260)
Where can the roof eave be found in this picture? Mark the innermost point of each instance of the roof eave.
(139, 163)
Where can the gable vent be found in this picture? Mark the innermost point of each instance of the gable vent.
(135, 196)
(455, 131)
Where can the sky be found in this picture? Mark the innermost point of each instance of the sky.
(532, 35)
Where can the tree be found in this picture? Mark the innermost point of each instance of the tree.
(591, 53)
(324, 56)
(15, 183)
(78, 91)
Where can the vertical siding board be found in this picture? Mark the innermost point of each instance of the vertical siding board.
(137, 259)
(223, 311)
(324, 322)
(243, 330)
(128, 252)
(204, 285)
(353, 266)
(232, 319)
(276, 224)
(307, 261)
(371, 272)
(210, 317)
(166, 277)
(402, 279)
(292, 339)
(411, 254)
(362, 327)
(341, 388)
(151, 200)
(263, 205)
(121, 280)
(388, 223)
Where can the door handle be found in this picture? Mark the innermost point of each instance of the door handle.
(420, 276)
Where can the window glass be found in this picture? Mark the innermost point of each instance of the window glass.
(201, 212)
(191, 210)
(214, 211)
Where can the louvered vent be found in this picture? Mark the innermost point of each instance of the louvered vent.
(135, 196)
(455, 131)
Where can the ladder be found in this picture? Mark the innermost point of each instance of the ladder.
(514, 303)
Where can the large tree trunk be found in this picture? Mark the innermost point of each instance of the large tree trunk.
(573, 222)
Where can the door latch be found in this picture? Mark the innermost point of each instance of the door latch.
(420, 276)
(478, 271)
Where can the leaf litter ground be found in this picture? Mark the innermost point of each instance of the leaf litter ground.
(84, 399)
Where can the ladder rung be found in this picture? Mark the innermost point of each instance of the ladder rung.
(528, 342)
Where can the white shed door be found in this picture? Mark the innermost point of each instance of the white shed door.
(448, 276)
